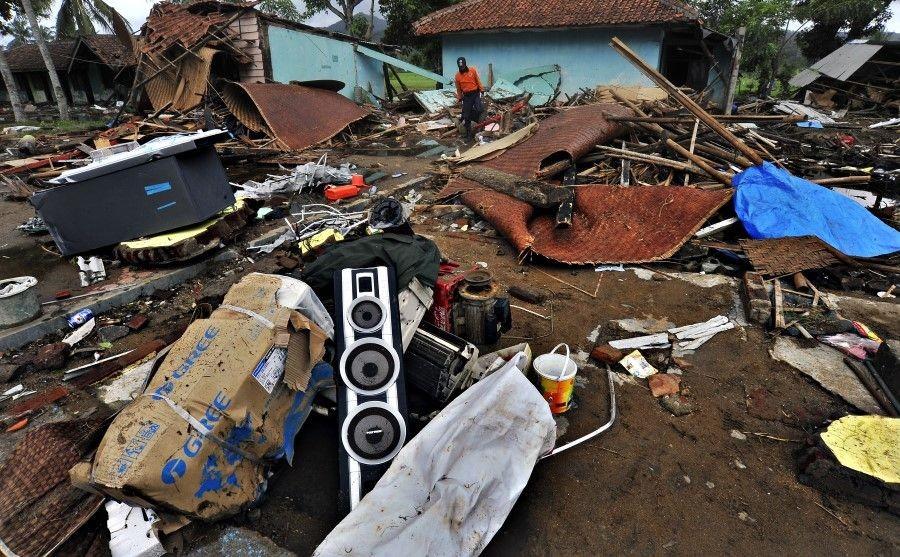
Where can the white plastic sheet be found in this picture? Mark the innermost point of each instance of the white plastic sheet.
(296, 294)
(451, 488)
(13, 286)
(307, 175)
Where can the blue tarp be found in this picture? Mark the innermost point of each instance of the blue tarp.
(772, 203)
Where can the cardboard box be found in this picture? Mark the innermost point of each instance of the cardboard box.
(225, 402)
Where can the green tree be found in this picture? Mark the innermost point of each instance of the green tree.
(12, 88)
(766, 22)
(836, 21)
(400, 16)
(359, 27)
(342, 8)
(31, 15)
(77, 17)
(17, 28)
(285, 9)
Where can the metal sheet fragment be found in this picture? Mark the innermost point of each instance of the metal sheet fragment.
(297, 117)
(568, 135)
(611, 224)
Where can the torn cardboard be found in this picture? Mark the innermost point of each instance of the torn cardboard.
(226, 401)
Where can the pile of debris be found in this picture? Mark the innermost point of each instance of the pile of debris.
(352, 314)
(858, 75)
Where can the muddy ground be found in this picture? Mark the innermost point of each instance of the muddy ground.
(721, 480)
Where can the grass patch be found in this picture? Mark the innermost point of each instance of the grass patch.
(748, 86)
(413, 82)
(63, 126)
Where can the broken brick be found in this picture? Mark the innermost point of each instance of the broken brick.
(662, 384)
(51, 356)
(607, 354)
(137, 322)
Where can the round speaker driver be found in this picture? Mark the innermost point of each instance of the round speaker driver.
(373, 433)
(369, 366)
(367, 314)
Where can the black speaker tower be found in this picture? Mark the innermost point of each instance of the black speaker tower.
(371, 394)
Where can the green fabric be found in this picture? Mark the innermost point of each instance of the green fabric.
(410, 256)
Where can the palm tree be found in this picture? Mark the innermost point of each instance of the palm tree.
(77, 17)
(12, 88)
(61, 103)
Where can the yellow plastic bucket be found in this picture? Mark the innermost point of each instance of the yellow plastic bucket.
(557, 375)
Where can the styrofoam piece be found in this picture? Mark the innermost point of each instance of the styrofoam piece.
(131, 531)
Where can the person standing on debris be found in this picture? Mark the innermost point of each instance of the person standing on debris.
(469, 90)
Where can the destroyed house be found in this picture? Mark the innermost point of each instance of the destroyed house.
(88, 68)
(102, 67)
(522, 40)
(863, 72)
(186, 48)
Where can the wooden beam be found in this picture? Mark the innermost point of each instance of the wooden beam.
(652, 159)
(735, 69)
(843, 180)
(686, 101)
(532, 192)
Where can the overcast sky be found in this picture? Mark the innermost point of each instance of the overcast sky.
(136, 12)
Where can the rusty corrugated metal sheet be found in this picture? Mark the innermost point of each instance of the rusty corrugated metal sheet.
(39, 508)
(781, 256)
(612, 224)
(172, 29)
(297, 117)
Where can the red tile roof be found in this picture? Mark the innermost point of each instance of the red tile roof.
(186, 25)
(27, 58)
(473, 15)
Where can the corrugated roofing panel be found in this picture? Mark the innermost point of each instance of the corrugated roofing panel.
(299, 117)
(840, 64)
(611, 224)
(569, 134)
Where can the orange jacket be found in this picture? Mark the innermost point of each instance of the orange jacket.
(468, 82)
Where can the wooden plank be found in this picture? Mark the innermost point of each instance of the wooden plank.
(779, 306)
